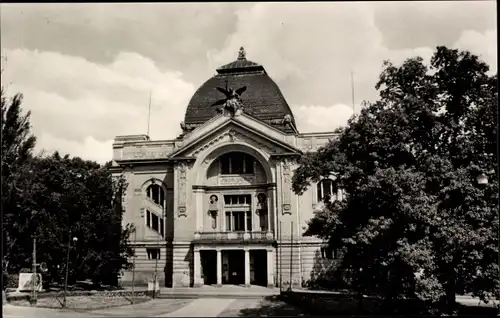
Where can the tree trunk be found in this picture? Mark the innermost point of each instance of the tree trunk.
(451, 304)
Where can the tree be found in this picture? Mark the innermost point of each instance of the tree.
(77, 198)
(408, 165)
(53, 197)
(17, 144)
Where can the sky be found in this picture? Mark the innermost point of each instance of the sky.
(86, 70)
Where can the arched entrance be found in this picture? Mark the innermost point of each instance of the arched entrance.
(237, 226)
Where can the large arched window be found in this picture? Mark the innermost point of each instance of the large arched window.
(155, 211)
(156, 194)
(236, 163)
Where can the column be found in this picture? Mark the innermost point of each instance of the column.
(268, 216)
(245, 220)
(197, 268)
(247, 268)
(219, 268)
(270, 268)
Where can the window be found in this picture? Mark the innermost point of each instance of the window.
(156, 194)
(236, 163)
(155, 222)
(325, 190)
(238, 214)
(249, 221)
(239, 221)
(235, 221)
(328, 253)
(245, 199)
(153, 253)
(228, 221)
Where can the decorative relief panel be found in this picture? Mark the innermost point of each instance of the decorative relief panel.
(182, 188)
(147, 151)
(145, 155)
(286, 190)
(237, 180)
(233, 135)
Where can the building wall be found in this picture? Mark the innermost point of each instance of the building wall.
(187, 211)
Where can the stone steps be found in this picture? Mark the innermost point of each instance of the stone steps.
(234, 292)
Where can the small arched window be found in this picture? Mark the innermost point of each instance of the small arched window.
(325, 190)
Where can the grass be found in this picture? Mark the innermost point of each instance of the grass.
(83, 302)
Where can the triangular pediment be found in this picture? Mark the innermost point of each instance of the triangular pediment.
(242, 128)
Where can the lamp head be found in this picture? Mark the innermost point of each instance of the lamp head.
(482, 179)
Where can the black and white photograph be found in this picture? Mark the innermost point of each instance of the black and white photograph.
(246, 159)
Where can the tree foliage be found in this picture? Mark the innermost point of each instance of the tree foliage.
(54, 199)
(408, 165)
(17, 143)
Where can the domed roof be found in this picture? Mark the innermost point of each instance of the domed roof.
(262, 98)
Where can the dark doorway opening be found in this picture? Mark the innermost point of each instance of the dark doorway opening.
(209, 267)
(236, 267)
(259, 267)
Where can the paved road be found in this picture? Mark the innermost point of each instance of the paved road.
(202, 307)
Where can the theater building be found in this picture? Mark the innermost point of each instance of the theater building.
(215, 205)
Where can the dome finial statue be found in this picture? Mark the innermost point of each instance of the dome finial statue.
(242, 54)
(232, 102)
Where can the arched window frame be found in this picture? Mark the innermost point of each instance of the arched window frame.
(158, 198)
(318, 195)
(161, 200)
(246, 168)
(323, 188)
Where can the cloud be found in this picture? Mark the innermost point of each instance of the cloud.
(321, 118)
(408, 24)
(87, 70)
(483, 44)
(76, 102)
(89, 149)
(311, 50)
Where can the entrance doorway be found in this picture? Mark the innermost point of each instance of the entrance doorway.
(233, 271)
(258, 269)
(209, 266)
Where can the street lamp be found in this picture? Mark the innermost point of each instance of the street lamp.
(75, 239)
(482, 180)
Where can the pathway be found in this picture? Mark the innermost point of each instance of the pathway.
(202, 307)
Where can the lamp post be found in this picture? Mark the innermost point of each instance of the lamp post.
(133, 264)
(75, 239)
(482, 180)
(34, 278)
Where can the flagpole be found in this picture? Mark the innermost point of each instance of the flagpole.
(149, 113)
(352, 91)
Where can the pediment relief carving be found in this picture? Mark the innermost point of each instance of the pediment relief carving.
(233, 135)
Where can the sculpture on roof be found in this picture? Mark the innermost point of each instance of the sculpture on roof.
(241, 54)
(232, 102)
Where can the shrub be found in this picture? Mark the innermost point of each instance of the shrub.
(25, 270)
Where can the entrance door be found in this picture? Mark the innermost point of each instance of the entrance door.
(209, 266)
(260, 267)
(236, 267)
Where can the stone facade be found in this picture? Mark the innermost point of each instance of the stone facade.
(217, 204)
